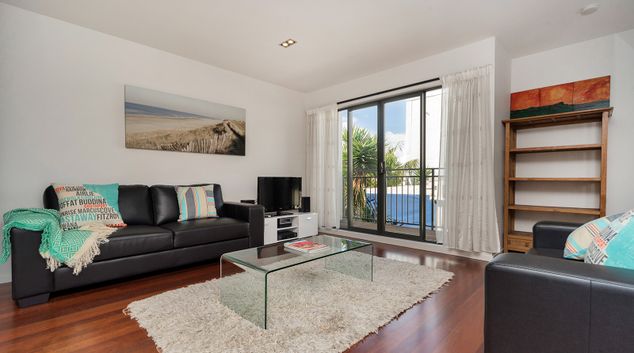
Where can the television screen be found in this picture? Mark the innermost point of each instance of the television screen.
(279, 193)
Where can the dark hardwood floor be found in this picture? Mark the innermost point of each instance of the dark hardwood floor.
(91, 320)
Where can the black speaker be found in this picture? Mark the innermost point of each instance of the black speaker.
(305, 204)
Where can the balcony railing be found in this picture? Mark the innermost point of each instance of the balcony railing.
(402, 197)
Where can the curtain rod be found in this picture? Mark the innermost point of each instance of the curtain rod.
(389, 90)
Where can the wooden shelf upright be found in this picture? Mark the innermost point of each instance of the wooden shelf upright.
(522, 241)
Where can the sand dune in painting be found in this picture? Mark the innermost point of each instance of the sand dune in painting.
(185, 134)
(146, 123)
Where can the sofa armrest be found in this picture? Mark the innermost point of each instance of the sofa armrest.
(29, 275)
(552, 235)
(541, 304)
(254, 214)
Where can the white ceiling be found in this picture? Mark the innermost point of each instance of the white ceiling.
(338, 40)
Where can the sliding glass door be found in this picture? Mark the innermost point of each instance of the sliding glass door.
(402, 150)
(360, 169)
(390, 162)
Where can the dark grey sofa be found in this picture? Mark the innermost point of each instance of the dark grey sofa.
(153, 240)
(541, 302)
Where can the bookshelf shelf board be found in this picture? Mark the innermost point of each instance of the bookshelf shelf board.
(555, 209)
(521, 234)
(592, 180)
(578, 117)
(590, 147)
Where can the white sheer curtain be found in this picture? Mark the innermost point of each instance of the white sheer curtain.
(323, 161)
(469, 220)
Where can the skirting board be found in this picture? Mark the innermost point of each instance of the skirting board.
(408, 244)
(5, 277)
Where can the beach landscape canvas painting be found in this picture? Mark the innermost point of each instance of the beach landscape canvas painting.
(166, 122)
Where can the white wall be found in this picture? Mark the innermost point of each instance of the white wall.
(62, 117)
(610, 55)
(502, 104)
(621, 144)
(476, 54)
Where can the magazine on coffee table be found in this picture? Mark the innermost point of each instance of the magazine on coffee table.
(306, 246)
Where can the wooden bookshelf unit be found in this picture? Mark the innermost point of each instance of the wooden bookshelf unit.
(522, 241)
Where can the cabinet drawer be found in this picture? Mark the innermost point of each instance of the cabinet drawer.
(519, 243)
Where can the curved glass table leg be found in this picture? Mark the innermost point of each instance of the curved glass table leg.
(245, 293)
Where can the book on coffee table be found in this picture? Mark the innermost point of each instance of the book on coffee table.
(306, 246)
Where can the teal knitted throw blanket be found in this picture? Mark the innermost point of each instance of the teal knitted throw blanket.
(75, 248)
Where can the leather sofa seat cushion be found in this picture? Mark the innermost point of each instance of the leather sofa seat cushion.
(207, 230)
(556, 253)
(135, 240)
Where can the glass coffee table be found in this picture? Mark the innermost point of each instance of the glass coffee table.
(247, 293)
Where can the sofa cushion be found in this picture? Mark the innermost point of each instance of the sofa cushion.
(83, 204)
(218, 201)
(164, 203)
(135, 205)
(50, 198)
(196, 202)
(580, 239)
(614, 246)
(208, 230)
(135, 240)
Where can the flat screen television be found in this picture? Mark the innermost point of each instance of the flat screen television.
(278, 194)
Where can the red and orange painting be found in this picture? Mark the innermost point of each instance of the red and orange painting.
(573, 96)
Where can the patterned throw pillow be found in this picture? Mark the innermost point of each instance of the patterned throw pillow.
(196, 202)
(88, 203)
(580, 239)
(613, 246)
(620, 251)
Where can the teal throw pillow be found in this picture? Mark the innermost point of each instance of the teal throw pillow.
(614, 246)
(580, 239)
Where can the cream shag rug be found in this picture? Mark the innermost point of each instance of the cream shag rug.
(311, 309)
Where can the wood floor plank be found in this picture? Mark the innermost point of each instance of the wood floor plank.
(92, 320)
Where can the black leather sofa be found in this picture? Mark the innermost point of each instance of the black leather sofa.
(153, 240)
(541, 302)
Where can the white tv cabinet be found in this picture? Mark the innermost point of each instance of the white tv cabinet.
(304, 224)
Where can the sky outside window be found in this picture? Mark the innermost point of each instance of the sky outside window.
(398, 119)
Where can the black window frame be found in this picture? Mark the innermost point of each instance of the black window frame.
(381, 184)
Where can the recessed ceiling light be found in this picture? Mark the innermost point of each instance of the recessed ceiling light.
(589, 9)
(287, 43)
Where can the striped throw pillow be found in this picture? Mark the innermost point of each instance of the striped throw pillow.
(606, 250)
(580, 239)
(196, 202)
